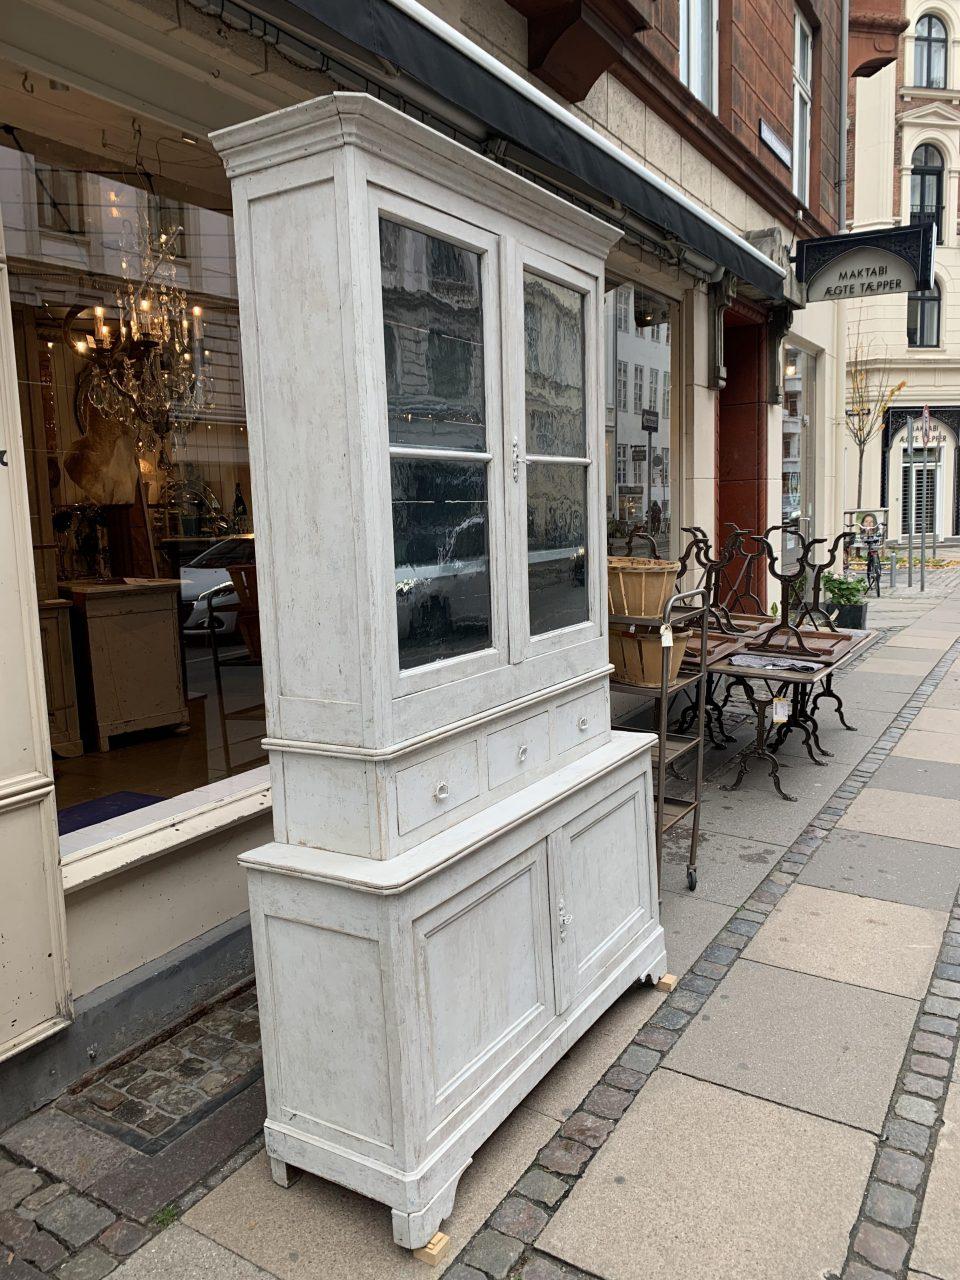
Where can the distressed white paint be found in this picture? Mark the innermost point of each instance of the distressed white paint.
(462, 879)
(34, 990)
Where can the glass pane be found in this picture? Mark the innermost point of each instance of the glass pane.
(553, 330)
(433, 340)
(938, 66)
(557, 545)
(797, 397)
(142, 518)
(440, 552)
(643, 488)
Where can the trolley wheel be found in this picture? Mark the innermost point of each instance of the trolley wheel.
(691, 878)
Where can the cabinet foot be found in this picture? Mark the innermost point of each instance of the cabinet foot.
(284, 1175)
(417, 1230)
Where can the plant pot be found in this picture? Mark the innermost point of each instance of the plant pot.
(640, 588)
(637, 659)
(853, 616)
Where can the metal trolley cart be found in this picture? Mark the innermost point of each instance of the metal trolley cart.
(685, 612)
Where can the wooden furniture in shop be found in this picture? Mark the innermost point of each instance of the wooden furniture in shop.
(463, 877)
(59, 679)
(127, 656)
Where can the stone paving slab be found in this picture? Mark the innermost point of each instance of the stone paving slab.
(921, 744)
(758, 809)
(702, 1183)
(915, 667)
(907, 871)
(819, 1046)
(885, 946)
(729, 867)
(915, 637)
(146, 1184)
(902, 772)
(182, 1254)
(689, 923)
(937, 1248)
(897, 813)
(938, 720)
(317, 1231)
(67, 1149)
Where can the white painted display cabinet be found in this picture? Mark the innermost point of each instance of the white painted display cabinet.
(463, 877)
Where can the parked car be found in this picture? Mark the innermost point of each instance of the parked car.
(211, 569)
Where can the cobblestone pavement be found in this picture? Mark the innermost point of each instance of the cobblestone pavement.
(790, 1111)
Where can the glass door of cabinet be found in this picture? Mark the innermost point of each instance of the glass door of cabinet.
(555, 475)
(439, 301)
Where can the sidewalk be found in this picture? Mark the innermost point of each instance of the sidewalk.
(786, 1114)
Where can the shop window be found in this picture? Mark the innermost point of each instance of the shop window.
(926, 187)
(799, 371)
(802, 106)
(643, 431)
(923, 318)
(140, 499)
(59, 199)
(698, 49)
(930, 53)
(622, 368)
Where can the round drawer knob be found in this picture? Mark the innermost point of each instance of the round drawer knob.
(583, 724)
(523, 753)
(441, 792)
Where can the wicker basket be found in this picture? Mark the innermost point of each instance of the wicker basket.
(640, 588)
(637, 659)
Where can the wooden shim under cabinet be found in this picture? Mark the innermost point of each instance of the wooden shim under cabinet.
(434, 1251)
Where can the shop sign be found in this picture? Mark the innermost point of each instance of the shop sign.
(867, 263)
(650, 420)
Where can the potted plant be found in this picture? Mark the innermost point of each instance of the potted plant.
(846, 596)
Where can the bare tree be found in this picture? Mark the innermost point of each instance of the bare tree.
(869, 394)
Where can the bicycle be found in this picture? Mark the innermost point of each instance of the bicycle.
(872, 544)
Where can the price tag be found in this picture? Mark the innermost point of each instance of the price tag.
(781, 710)
(666, 635)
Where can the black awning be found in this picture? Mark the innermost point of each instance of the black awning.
(382, 29)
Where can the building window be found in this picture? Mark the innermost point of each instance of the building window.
(802, 106)
(621, 464)
(59, 201)
(639, 458)
(168, 218)
(923, 318)
(666, 395)
(623, 309)
(622, 385)
(926, 187)
(930, 54)
(698, 49)
(638, 388)
(655, 333)
(654, 397)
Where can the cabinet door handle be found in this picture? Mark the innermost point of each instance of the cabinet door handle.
(523, 753)
(583, 724)
(516, 460)
(564, 917)
(441, 792)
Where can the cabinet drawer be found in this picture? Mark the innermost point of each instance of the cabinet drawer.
(518, 749)
(580, 719)
(436, 786)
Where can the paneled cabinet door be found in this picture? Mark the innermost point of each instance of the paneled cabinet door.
(485, 987)
(600, 888)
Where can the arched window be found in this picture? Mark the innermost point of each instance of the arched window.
(923, 318)
(926, 187)
(930, 53)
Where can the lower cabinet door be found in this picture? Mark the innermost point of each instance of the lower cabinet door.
(485, 979)
(601, 885)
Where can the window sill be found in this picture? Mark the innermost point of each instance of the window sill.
(121, 844)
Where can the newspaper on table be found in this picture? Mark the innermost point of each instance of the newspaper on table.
(768, 663)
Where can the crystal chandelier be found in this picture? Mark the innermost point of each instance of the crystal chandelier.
(149, 371)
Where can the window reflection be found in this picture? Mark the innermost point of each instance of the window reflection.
(556, 545)
(441, 558)
(433, 340)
